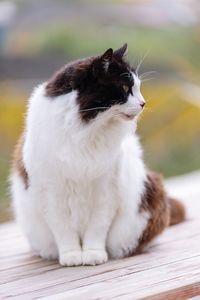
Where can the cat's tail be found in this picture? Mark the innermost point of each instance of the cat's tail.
(177, 211)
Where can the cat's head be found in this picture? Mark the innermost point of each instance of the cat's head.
(105, 84)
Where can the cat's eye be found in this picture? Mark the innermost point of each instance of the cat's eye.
(125, 88)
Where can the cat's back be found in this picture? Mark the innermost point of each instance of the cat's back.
(48, 132)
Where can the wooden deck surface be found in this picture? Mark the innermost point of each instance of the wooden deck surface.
(169, 270)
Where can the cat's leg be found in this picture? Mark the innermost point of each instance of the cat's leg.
(94, 240)
(58, 217)
(131, 233)
(31, 221)
(125, 232)
(41, 238)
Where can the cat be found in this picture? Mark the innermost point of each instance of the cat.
(80, 189)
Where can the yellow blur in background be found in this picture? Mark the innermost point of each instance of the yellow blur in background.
(38, 37)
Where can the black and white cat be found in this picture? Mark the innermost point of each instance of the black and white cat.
(80, 188)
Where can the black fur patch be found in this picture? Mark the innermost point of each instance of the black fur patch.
(98, 80)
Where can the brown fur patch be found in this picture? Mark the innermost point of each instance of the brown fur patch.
(18, 164)
(154, 202)
(163, 210)
(177, 211)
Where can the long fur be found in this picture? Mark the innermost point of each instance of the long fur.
(78, 187)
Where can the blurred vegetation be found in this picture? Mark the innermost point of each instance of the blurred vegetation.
(77, 41)
(170, 125)
(12, 108)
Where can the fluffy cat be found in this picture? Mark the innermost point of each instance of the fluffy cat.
(80, 189)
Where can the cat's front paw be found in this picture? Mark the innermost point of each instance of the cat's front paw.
(71, 258)
(49, 253)
(94, 257)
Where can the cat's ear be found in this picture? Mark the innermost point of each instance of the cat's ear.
(121, 52)
(106, 59)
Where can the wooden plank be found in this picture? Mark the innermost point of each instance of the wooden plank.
(74, 277)
(168, 270)
(134, 285)
(192, 290)
(33, 268)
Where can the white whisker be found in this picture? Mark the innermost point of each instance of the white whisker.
(146, 74)
(128, 108)
(147, 79)
(94, 108)
(141, 61)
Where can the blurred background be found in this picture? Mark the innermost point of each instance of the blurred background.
(38, 37)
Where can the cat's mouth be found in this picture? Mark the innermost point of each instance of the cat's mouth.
(127, 116)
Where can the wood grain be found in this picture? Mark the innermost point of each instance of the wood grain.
(170, 269)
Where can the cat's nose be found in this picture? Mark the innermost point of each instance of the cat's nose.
(142, 104)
